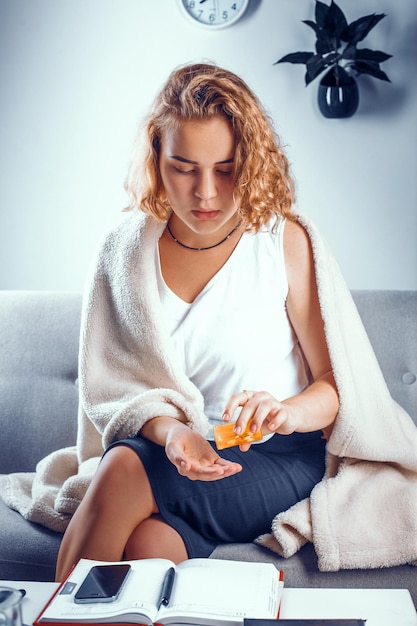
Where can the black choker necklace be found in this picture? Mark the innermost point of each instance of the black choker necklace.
(208, 247)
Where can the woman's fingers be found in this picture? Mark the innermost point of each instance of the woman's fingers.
(220, 469)
(237, 400)
(258, 409)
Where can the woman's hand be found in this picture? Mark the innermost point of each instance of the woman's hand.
(264, 412)
(194, 457)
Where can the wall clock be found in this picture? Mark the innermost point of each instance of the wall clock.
(214, 14)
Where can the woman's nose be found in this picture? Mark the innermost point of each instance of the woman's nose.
(206, 186)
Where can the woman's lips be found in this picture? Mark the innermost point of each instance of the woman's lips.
(205, 214)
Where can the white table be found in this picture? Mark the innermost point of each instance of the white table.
(380, 607)
(37, 595)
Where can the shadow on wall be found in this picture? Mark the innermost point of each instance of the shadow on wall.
(252, 8)
(380, 100)
(390, 98)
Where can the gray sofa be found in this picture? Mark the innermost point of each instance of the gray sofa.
(38, 406)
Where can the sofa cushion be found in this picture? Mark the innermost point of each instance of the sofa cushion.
(28, 551)
(390, 319)
(38, 371)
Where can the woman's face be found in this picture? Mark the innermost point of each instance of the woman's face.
(196, 164)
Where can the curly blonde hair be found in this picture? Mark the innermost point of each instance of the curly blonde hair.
(264, 187)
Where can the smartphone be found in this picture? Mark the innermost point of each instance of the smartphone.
(103, 583)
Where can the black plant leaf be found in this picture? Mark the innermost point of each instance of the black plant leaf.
(321, 13)
(373, 69)
(335, 22)
(359, 29)
(350, 52)
(317, 64)
(364, 54)
(324, 43)
(296, 57)
(336, 44)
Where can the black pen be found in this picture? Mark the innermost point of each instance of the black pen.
(167, 588)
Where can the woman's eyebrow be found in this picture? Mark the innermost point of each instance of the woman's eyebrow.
(184, 160)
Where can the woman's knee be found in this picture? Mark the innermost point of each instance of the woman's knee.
(154, 538)
(122, 476)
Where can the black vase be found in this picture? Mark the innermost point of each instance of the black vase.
(338, 94)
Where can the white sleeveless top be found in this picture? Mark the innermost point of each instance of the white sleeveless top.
(236, 334)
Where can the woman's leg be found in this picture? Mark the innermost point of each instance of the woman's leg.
(155, 538)
(118, 500)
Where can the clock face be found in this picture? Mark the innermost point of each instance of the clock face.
(214, 13)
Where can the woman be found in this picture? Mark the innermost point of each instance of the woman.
(238, 316)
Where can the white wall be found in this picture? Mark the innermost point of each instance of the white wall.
(76, 76)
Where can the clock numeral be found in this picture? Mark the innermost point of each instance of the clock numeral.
(216, 13)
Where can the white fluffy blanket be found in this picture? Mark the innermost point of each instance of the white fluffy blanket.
(363, 514)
